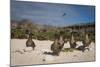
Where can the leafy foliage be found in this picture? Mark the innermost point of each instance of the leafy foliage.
(45, 32)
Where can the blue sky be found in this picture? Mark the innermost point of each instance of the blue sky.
(52, 14)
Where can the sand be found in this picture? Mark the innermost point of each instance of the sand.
(30, 57)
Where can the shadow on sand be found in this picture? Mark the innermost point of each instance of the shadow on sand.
(50, 53)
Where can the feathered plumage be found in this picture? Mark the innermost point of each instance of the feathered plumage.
(57, 46)
(29, 42)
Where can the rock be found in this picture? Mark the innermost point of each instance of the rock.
(20, 51)
(28, 49)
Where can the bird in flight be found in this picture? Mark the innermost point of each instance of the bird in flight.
(64, 14)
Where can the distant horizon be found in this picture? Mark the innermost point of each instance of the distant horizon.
(52, 14)
(54, 25)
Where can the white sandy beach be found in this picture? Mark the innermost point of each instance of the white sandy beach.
(19, 57)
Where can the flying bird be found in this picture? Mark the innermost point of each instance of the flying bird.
(64, 14)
